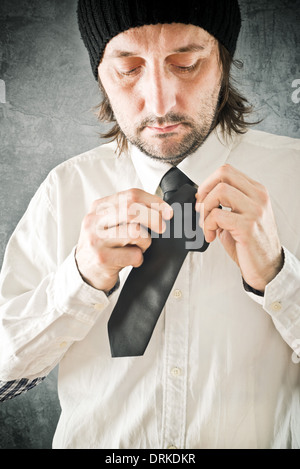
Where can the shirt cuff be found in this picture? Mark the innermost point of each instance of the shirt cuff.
(281, 301)
(249, 289)
(257, 295)
(74, 296)
(115, 288)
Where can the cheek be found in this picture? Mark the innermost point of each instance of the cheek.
(212, 77)
(203, 89)
(203, 86)
(125, 105)
(124, 100)
(209, 78)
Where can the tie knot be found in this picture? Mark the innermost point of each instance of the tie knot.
(172, 181)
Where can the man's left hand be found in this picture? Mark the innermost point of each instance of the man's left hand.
(247, 229)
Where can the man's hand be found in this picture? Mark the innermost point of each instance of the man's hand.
(115, 235)
(248, 231)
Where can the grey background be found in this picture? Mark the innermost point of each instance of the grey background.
(47, 118)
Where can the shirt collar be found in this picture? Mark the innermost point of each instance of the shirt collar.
(149, 170)
(213, 153)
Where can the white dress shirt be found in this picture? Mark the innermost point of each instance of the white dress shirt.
(221, 369)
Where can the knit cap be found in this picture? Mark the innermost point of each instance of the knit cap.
(100, 20)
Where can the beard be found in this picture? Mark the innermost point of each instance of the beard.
(167, 146)
(168, 150)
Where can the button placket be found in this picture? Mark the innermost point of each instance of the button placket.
(98, 306)
(177, 294)
(175, 366)
(176, 372)
(276, 306)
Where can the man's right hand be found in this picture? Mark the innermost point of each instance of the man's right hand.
(115, 235)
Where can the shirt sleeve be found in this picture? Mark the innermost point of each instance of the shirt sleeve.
(11, 389)
(45, 306)
(281, 300)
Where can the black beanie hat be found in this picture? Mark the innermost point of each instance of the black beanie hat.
(100, 20)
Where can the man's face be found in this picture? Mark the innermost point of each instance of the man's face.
(163, 84)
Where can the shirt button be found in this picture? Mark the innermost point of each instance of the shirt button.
(177, 294)
(176, 371)
(98, 306)
(276, 306)
(172, 447)
(63, 344)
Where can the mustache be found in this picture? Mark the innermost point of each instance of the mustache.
(170, 118)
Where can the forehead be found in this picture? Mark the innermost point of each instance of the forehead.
(162, 38)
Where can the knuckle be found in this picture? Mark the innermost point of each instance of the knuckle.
(215, 212)
(264, 195)
(259, 211)
(222, 188)
(102, 257)
(88, 221)
(133, 196)
(224, 171)
(136, 257)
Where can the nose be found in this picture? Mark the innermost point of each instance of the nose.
(159, 92)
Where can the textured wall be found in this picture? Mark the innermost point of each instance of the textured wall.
(46, 94)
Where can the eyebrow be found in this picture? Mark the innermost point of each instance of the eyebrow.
(189, 48)
(123, 53)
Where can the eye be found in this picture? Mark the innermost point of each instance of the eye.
(130, 73)
(185, 69)
(129, 66)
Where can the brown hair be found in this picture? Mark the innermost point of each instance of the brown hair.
(231, 113)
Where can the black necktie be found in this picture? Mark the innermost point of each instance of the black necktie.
(147, 287)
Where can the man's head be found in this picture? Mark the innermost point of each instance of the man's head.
(160, 66)
(163, 84)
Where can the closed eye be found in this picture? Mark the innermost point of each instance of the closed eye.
(186, 69)
(132, 72)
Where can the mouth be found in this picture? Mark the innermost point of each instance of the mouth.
(165, 129)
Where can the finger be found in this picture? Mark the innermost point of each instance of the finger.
(221, 220)
(125, 199)
(125, 235)
(119, 257)
(227, 196)
(134, 214)
(127, 208)
(149, 217)
(233, 177)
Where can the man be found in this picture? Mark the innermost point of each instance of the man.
(221, 367)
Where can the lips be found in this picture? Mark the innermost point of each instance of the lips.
(165, 128)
